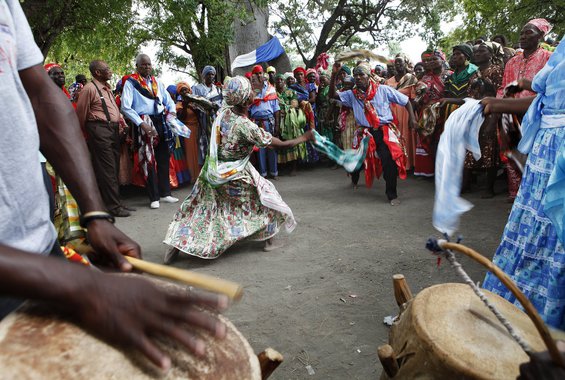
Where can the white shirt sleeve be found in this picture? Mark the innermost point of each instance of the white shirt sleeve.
(28, 53)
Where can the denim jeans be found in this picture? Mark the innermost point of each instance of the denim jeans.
(267, 156)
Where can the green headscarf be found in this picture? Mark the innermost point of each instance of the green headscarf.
(347, 69)
(465, 49)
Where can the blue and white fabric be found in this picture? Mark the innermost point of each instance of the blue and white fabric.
(270, 50)
(531, 252)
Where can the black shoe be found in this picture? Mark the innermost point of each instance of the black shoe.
(120, 212)
(128, 208)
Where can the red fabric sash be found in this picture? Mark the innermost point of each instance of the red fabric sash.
(391, 137)
(270, 94)
(366, 97)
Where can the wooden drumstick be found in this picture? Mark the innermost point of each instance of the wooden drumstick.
(214, 284)
(524, 301)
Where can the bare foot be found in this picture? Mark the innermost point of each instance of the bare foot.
(171, 254)
(270, 245)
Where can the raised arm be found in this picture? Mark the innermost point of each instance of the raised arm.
(335, 70)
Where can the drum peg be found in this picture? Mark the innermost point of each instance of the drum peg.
(269, 360)
(402, 292)
(388, 360)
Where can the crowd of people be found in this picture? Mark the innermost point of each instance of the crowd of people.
(232, 137)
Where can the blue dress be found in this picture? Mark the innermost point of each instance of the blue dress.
(530, 251)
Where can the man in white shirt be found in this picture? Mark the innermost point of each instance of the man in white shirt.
(122, 310)
(144, 101)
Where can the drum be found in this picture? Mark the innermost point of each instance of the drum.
(446, 332)
(36, 343)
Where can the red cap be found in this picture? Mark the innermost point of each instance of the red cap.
(248, 75)
(257, 69)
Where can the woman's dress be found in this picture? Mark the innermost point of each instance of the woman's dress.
(530, 251)
(216, 215)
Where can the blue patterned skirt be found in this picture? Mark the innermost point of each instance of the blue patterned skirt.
(530, 252)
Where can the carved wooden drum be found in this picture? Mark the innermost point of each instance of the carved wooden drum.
(446, 332)
(38, 344)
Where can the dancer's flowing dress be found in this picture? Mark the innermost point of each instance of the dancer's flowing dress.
(233, 204)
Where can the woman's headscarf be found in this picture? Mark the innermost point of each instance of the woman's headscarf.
(496, 51)
(299, 69)
(181, 85)
(237, 91)
(433, 52)
(312, 71)
(208, 69)
(542, 24)
(50, 66)
(362, 68)
(467, 50)
(347, 69)
(172, 89)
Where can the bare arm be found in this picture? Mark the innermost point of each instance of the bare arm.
(122, 310)
(63, 145)
(335, 69)
(61, 138)
(278, 143)
(506, 105)
(412, 117)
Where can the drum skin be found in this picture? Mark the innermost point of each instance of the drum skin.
(36, 343)
(446, 332)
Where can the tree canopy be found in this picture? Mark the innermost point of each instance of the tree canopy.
(488, 18)
(192, 33)
(75, 32)
(321, 26)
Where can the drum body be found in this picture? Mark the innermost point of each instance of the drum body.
(446, 332)
(36, 343)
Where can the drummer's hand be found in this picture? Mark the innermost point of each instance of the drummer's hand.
(110, 243)
(131, 312)
(541, 367)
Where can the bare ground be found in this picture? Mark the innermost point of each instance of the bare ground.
(321, 299)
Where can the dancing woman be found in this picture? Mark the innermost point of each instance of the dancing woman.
(230, 200)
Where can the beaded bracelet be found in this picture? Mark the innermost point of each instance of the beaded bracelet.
(94, 215)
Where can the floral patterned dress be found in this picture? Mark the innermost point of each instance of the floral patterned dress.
(213, 218)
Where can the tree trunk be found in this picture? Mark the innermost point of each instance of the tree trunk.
(249, 36)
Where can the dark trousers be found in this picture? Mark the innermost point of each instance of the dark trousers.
(158, 184)
(390, 171)
(104, 146)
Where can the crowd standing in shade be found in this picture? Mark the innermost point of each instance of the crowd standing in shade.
(243, 129)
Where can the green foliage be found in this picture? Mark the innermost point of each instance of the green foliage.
(488, 18)
(75, 32)
(330, 26)
(191, 33)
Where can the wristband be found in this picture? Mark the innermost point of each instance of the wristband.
(94, 215)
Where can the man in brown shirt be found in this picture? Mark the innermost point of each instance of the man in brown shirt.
(100, 118)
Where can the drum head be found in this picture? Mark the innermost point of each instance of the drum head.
(35, 343)
(455, 325)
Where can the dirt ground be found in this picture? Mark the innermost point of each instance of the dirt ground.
(321, 299)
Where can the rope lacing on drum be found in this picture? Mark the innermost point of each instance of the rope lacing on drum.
(433, 245)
